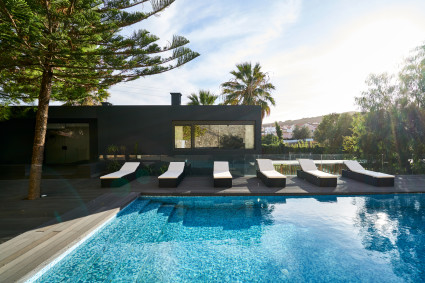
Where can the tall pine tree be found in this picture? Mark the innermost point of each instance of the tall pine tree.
(67, 50)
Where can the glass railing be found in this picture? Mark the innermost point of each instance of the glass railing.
(244, 164)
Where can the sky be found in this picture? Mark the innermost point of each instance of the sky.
(317, 53)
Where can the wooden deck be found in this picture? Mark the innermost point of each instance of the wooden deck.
(71, 210)
(35, 232)
(294, 186)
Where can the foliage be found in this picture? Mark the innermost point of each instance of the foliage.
(205, 97)
(80, 44)
(114, 165)
(155, 169)
(123, 149)
(91, 100)
(301, 133)
(73, 51)
(136, 148)
(393, 121)
(278, 131)
(269, 139)
(231, 142)
(112, 149)
(332, 130)
(249, 86)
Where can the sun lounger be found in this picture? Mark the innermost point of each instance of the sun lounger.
(357, 172)
(222, 176)
(126, 174)
(173, 176)
(268, 175)
(310, 173)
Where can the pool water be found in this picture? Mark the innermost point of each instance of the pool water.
(250, 239)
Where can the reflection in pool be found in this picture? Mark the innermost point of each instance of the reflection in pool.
(268, 239)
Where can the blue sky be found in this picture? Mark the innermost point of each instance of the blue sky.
(317, 53)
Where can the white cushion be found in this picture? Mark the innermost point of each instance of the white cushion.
(170, 175)
(176, 166)
(175, 169)
(222, 175)
(116, 175)
(353, 165)
(265, 165)
(321, 174)
(273, 174)
(127, 168)
(221, 170)
(374, 174)
(221, 166)
(307, 165)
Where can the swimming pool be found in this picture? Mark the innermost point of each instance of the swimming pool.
(379, 238)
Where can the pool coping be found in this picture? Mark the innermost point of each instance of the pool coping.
(61, 254)
(29, 255)
(190, 186)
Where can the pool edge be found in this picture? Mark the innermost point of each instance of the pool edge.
(43, 267)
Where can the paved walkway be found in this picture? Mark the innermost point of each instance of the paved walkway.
(36, 232)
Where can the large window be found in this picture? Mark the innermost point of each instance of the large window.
(182, 136)
(214, 136)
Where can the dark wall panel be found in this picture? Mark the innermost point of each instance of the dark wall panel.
(149, 126)
(16, 141)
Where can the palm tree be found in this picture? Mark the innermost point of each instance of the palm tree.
(250, 86)
(205, 97)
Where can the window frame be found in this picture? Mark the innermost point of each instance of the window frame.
(209, 122)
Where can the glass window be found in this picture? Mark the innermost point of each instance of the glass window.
(224, 136)
(215, 136)
(207, 136)
(182, 136)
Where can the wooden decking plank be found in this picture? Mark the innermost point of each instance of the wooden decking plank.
(122, 202)
(27, 238)
(74, 213)
(46, 250)
(72, 228)
(26, 248)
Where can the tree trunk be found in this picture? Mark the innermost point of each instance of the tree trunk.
(40, 134)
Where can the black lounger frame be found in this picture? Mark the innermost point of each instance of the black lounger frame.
(378, 182)
(321, 182)
(271, 182)
(171, 182)
(117, 182)
(222, 182)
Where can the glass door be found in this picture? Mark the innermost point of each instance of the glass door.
(67, 143)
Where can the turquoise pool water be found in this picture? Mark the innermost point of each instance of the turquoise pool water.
(251, 239)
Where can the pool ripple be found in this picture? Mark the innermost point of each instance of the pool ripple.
(245, 239)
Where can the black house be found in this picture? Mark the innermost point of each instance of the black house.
(83, 134)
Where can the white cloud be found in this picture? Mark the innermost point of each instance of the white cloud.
(325, 78)
(223, 35)
(319, 78)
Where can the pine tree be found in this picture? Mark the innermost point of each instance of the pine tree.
(66, 50)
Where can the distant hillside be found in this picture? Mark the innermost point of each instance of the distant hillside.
(302, 121)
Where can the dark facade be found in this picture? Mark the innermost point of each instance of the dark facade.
(82, 133)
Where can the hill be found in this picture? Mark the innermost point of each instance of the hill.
(302, 121)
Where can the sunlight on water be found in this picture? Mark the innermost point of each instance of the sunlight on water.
(267, 239)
